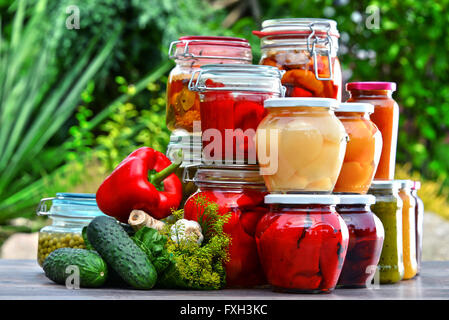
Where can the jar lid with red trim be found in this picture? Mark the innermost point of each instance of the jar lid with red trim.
(371, 85)
(208, 47)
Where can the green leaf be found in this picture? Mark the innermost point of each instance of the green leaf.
(153, 244)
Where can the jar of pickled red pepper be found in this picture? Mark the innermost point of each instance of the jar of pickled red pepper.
(190, 53)
(306, 48)
(408, 228)
(385, 116)
(363, 149)
(302, 242)
(238, 190)
(232, 107)
(301, 145)
(388, 208)
(419, 218)
(69, 213)
(366, 236)
(185, 148)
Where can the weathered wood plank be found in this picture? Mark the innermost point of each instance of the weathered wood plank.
(24, 279)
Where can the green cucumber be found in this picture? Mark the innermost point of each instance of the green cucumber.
(92, 268)
(121, 253)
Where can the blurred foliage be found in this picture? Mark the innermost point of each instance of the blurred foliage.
(435, 199)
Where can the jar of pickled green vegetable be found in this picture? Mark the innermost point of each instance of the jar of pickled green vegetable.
(68, 214)
(388, 208)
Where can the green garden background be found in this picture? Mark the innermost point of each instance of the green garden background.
(75, 101)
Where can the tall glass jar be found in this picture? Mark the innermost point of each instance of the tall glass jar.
(363, 149)
(190, 53)
(239, 190)
(306, 48)
(301, 145)
(366, 236)
(388, 208)
(69, 213)
(302, 242)
(408, 229)
(385, 116)
(419, 218)
(232, 107)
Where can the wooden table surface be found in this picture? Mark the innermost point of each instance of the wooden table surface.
(25, 280)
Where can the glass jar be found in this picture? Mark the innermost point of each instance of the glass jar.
(419, 218)
(189, 53)
(306, 48)
(232, 99)
(302, 242)
(239, 190)
(301, 145)
(385, 116)
(388, 208)
(190, 158)
(408, 228)
(363, 149)
(366, 236)
(69, 213)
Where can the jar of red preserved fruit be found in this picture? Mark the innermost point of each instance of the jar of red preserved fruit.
(366, 236)
(238, 190)
(306, 48)
(232, 106)
(189, 53)
(302, 242)
(385, 117)
(419, 217)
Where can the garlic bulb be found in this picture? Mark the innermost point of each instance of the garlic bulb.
(185, 229)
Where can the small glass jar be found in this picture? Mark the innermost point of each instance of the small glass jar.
(408, 229)
(302, 242)
(306, 48)
(419, 218)
(385, 116)
(69, 213)
(189, 53)
(366, 236)
(388, 208)
(239, 190)
(232, 99)
(363, 149)
(190, 158)
(301, 145)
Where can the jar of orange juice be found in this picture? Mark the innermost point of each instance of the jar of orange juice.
(363, 148)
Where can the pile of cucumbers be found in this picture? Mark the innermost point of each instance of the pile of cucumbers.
(113, 256)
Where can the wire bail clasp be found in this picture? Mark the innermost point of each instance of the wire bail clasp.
(313, 40)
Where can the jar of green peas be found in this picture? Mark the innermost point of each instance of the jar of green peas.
(68, 215)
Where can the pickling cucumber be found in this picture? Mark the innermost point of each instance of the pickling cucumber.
(121, 253)
(62, 263)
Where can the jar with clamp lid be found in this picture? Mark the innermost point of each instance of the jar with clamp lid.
(232, 106)
(69, 214)
(306, 48)
(238, 190)
(190, 53)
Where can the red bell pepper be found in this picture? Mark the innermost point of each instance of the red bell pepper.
(144, 181)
